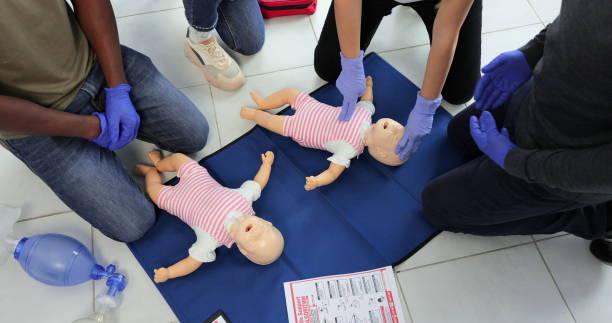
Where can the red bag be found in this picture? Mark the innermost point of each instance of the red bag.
(279, 8)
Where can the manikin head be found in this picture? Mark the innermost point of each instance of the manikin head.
(257, 239)
(382, 138)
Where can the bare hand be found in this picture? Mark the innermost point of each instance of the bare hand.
(267, 158)
(161, 275)
(311, 183)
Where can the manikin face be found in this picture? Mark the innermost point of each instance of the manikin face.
(382, 138)
(257, 239)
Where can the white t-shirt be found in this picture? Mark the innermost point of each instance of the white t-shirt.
(342, 151)
(203, 249)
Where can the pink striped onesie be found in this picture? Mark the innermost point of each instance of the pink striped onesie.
(203, 203)
(316, 125)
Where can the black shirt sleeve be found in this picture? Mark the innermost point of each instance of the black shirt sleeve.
(534, 48)
(573, 170)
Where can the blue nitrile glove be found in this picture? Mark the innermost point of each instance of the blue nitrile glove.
(418, 125)
(351, 84)
(491, 142)
(119, 124)
(504, 75)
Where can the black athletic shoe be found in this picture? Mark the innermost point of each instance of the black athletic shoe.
(602, 250)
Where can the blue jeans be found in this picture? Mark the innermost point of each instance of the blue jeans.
(87, 177)
(238, 22)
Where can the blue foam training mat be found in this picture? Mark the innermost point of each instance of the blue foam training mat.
(370, 217)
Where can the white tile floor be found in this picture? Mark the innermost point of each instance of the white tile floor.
(455, 278)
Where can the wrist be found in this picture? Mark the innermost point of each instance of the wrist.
(90, 127)
(425, 104)
(118, 88)
(351, 58)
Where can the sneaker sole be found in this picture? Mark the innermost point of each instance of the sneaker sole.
(228, 85)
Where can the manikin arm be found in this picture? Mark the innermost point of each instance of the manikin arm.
(326, 177)
(181, 268)
(263, 174)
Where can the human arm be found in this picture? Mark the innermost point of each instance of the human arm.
(179, 269)
(534, 49)
(351, 81)
(28, 118)
(348, 25)
(575, 170)
(447, 24)
(263, 175)
(328, 176)
(97, 21)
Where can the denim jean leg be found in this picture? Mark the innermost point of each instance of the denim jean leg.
(168, 118)
(241, 26)
(202, 15)
(88, 178)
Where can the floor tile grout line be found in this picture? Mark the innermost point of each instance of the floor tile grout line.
(93, 282)
(550, 238)
(467, 256)
(313, 28)
(250, 75)
(403, 297)
(44, 216)
(555, 282)
(147, 12)
(535, 11)
(511, 28)
(212, 97)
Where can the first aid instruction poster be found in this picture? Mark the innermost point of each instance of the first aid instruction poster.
(364, 297)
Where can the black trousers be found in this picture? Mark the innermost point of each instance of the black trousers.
(464, 72)
(481, 198)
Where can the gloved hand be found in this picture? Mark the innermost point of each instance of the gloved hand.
(504, 75)
(119, 123)
(491, 142)
(418, 125)
(351, 84)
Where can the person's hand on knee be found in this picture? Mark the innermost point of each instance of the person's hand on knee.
(493, 143)
(120, 122)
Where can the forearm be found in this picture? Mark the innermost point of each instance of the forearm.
(263, 175)
(534, 49)
(447, 25)
(184, 267)
(580, 171)
(348, 25)
(97, 20)
(24, 117)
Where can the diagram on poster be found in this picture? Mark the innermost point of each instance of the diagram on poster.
(364, 297)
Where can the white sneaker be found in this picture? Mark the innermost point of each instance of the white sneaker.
(220, 69)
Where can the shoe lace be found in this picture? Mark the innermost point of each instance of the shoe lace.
(217, 54)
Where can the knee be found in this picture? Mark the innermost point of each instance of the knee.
(252, 47)
(249, 44)
(461, 92)
(326, 64)
(192, 135)
(435, 207)
(196, 141)
(459, 97)
(134, 224)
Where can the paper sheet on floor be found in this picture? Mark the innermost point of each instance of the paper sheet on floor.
(363, 297)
